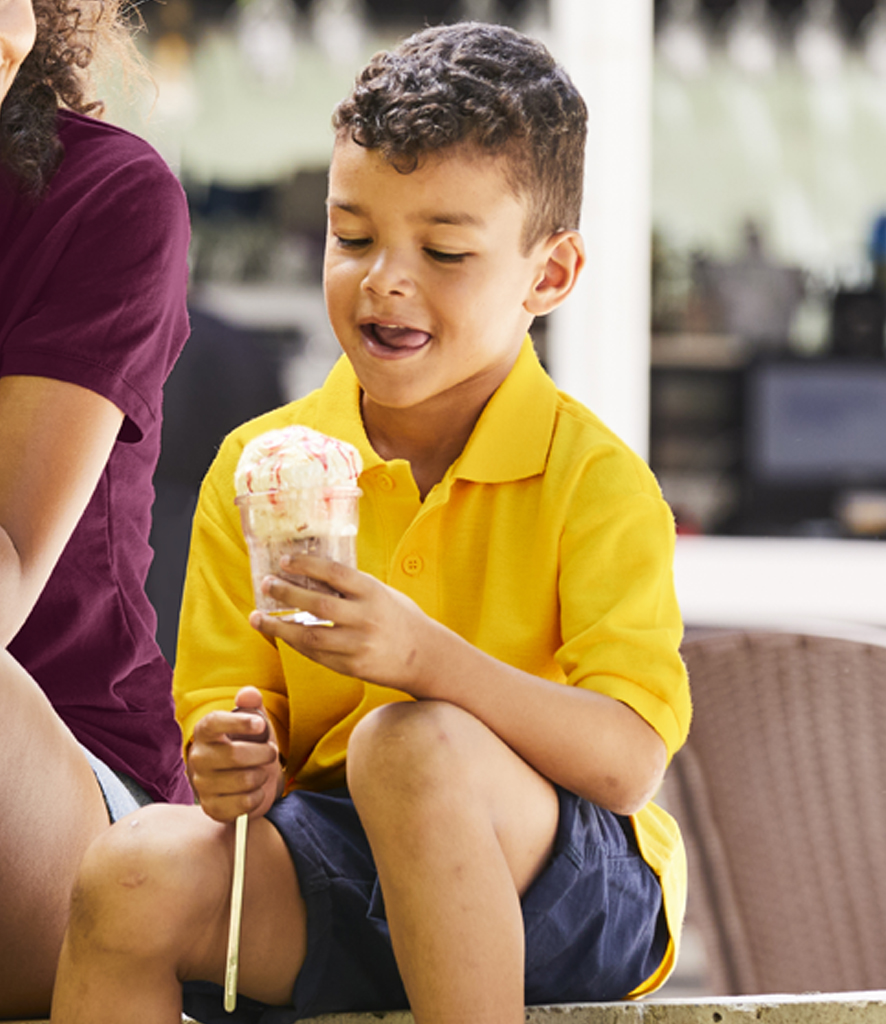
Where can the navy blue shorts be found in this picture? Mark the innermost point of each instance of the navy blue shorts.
(595, 927)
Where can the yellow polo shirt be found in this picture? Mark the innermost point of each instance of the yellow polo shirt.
(547, 544)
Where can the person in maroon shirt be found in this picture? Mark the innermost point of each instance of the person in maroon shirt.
(93, 249)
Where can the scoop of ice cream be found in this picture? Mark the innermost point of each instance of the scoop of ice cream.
(296, 457)
(294, 484)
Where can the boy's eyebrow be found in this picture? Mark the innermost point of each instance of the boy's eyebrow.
(337, 204)
(457, 219)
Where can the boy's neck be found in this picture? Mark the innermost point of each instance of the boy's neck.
(429, 443)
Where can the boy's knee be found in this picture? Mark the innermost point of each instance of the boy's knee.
(142, 879)
(409, 748)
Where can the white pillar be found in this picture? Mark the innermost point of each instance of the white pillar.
(599, 340)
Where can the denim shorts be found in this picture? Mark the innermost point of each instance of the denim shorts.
(594, 923)
(122, 794)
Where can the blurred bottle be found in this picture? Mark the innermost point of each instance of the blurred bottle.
(683, 38)
(751, 38)
(819, 39)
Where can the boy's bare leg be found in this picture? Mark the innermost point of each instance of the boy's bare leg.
(51, 808)
(151, 909)
(459, 826)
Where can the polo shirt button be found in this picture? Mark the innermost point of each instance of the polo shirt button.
(412, 565)
(386, 482)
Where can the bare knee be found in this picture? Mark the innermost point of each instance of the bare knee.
(147, 879)
(422, 771)
(409, 750)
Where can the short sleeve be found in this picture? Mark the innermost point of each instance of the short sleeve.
(620, 620)
(102, 301)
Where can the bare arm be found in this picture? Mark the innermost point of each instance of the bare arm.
(585, 741)
(55, 439)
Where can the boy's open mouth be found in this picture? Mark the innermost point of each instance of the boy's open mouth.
(394, 338)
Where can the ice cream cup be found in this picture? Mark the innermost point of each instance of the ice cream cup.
(318, 521)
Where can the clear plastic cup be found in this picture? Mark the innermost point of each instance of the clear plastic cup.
(318, 521)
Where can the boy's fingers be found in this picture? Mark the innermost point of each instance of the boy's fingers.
(240, 755)
(229, 808)
(214, 728)
(222, 727)
(256, 722)
(238, 771)
(340, 577)
(325, 606)
(235, 782)
(302, 637)
(245, 726)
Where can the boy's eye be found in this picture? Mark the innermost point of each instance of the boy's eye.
(351, 243)
(447, 257)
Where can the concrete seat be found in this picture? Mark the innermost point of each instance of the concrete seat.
(811, 1008)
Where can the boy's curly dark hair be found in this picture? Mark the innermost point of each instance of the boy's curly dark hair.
(485, 85)
(69, 35)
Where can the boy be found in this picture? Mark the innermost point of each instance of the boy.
(501, 689)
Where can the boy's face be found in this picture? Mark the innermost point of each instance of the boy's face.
(426, 285)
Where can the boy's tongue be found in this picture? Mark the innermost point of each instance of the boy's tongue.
(399, 337)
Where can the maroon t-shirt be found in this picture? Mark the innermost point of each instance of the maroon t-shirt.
(92, 291)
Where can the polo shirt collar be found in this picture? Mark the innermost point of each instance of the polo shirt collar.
(510, 441)
(513, 435)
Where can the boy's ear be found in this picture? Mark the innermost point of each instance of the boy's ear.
(562, 257)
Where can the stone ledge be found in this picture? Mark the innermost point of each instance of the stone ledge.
(810, 1008)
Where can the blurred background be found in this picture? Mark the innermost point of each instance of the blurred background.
(763, 399)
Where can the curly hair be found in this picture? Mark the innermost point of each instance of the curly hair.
(483, 85)
(70, 34)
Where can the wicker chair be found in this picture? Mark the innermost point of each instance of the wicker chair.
(781, 795)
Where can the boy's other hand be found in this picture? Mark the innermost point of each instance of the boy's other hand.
(233, 761)
(377, 633)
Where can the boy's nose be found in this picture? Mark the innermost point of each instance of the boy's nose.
(389, 274)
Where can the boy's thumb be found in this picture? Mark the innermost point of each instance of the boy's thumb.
(248, 699)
